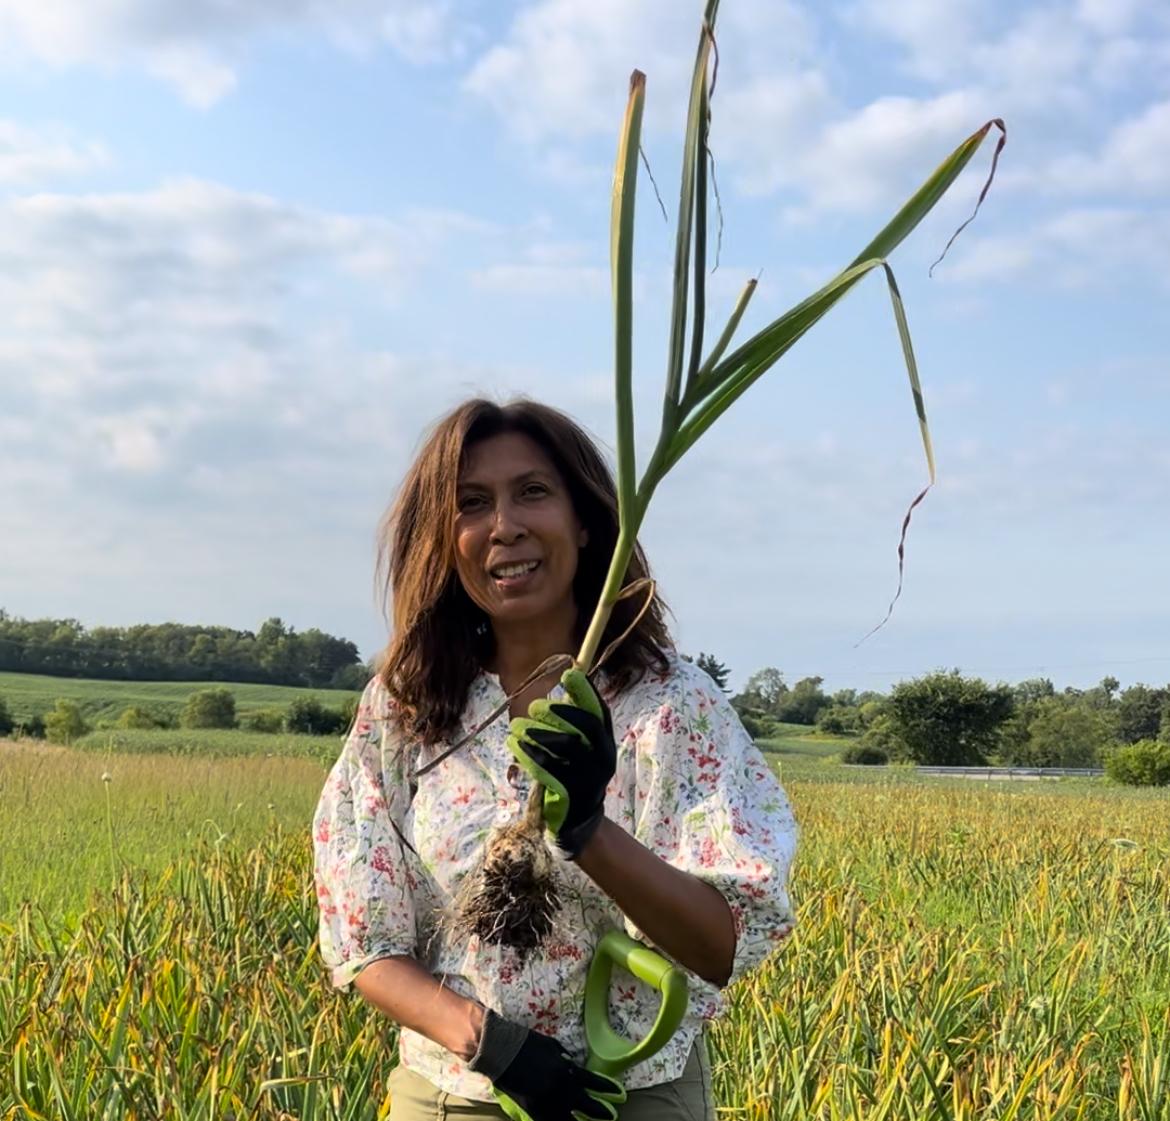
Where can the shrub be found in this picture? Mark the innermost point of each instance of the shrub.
(160, 714)
(351, 677)
(1058, 733)
(880, 736)
(870, 711)
(64, 723)
(1145, 763)
(947, 719)
(31, 726)
(802, 703)
(839, 720)
(866, 754)
(263, 720)
(308, 716)
(210, 708)
(6, 721)
(757, 726)
(1139, 713)
(135, 717)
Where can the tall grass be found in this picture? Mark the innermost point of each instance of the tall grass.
(57, 812)
(961, 952)
(964, 954)
(207, 743)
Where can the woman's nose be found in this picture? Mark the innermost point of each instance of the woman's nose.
(506, 526)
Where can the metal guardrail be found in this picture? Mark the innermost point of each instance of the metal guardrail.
(1014, 772)
(995, 772)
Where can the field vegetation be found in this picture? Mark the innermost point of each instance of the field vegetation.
(209, 743)
(77, 821)
(963, 950)
(945, 718)
(939, 718)
(29, 694)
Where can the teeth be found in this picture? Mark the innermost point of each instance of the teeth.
(507, 570)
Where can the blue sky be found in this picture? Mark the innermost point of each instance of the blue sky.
(251, 251)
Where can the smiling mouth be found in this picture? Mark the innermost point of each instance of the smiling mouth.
(513, 571)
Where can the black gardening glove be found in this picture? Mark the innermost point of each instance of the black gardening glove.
(568, 747)
(535, 1080)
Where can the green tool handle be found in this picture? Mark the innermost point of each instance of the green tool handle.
(609, 1052)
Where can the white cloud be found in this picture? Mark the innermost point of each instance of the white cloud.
(423, 32)
(188, 239)
(1134, 159)
(1082, 247)
(883, 152)
(195, 45)
(131, 442)
(200, 77)
(936, 35)
(32, 155)
(563, 69)
(828, 160)
(542, 280)
(565, 166)
(197, 378)
(765, 124)
(995, 258)
(1065, 75)
(559, 79)
(547, 269)
(1112, 16)
(1043, 57)
(139, 325)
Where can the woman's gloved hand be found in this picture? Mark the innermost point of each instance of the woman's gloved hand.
(535, 1080)
(568, 748)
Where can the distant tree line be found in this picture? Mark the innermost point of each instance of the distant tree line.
(276, 654)
(947, 719)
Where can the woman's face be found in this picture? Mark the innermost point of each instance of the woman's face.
(517, 535)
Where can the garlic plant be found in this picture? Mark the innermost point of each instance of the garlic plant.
(700, 389)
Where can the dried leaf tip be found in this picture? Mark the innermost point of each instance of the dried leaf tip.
(977, 138)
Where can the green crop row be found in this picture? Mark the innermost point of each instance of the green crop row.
(962, 952)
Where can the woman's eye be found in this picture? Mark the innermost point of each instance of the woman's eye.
(470, 502)
(535, 490)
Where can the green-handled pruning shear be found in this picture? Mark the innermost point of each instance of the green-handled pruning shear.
(609, 1053)
(613, 1054)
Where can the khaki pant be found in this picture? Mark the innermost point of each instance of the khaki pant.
(688, 1098)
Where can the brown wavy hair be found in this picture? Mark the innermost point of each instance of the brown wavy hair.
(441, 639)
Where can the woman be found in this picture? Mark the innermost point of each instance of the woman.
(672, 824)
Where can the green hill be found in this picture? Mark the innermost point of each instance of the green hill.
(29, 694)
(799, 739)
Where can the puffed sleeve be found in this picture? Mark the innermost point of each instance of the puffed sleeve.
(365, 885)
(708, 803)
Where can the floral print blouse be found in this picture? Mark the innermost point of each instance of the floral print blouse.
(690, 785)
